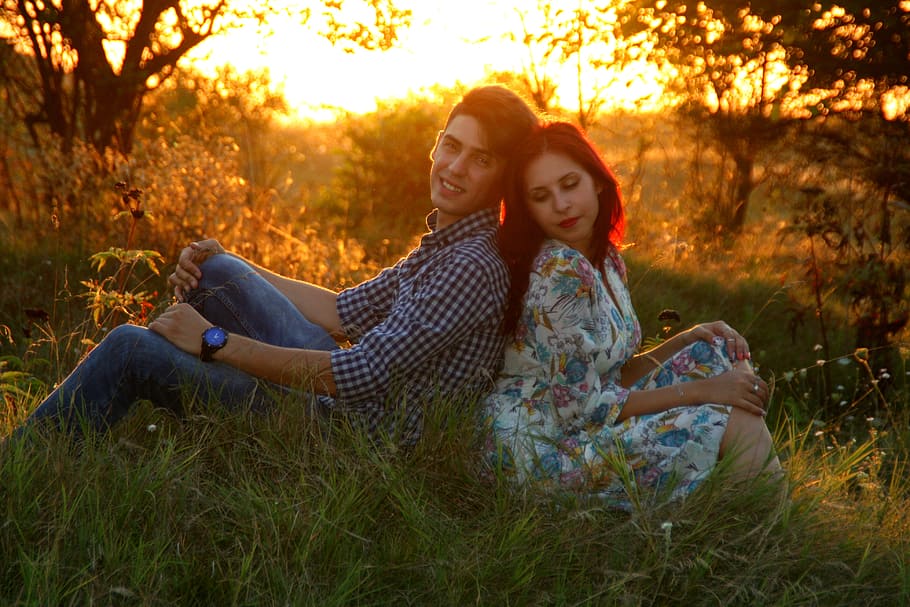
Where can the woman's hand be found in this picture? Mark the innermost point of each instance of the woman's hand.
(187, 273)
(737, 388)
(736, 344)
(181, 325)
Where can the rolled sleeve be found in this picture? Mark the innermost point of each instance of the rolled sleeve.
(364, 306)
(445, 305)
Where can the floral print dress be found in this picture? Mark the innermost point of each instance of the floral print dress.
(553, 414)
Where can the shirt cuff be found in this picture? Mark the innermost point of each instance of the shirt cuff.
(346, 303)
(352, 374)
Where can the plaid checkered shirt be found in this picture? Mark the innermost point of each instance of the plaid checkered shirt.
(426, 330)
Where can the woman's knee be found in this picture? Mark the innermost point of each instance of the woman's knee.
(745, 431)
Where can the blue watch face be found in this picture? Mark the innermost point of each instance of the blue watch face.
(215, 336)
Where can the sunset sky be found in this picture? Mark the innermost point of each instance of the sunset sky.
(448, 42)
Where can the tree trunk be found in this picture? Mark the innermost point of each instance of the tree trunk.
(741, 191)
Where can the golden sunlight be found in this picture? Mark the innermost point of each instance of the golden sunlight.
(448, 43)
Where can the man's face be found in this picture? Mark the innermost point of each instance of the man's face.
(466, 174)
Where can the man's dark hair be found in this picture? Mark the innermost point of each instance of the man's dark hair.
(505, 117)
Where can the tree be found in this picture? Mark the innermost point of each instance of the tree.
(728, 61)
(855, 52)
(96, 61)
(586, 38)
(749, 69)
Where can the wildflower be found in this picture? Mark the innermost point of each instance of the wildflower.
(152, 427)
(667, 527)
(817, 347)
(820, 363)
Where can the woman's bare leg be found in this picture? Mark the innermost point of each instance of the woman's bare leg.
(748, 440)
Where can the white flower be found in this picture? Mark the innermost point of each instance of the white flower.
(817, 347)
(152, 427)
(667, 527)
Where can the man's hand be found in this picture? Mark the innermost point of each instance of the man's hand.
(187, 273)
(182, 325)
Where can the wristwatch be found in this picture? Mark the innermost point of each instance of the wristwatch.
(213, 339)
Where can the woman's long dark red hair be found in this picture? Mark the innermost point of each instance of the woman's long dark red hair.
(520, 238)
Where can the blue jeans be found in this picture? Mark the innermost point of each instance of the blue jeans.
(132, 363)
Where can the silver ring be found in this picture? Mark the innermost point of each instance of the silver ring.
(731, 339)
(755, 388)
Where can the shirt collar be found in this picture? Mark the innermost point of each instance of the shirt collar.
(479, 221)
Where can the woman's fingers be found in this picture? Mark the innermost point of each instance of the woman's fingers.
(746, 391)
(757, 394)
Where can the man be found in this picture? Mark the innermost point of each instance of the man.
(428, 326)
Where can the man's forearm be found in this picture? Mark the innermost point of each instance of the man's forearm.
(307, 369)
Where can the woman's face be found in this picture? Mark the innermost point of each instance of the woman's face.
(562, 199)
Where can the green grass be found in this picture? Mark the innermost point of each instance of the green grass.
(273, 510)
(222, 509)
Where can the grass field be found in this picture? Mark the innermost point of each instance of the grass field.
(221, 509)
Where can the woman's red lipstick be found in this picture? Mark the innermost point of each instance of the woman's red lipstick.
(568, 223)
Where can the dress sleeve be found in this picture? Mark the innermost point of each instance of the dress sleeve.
(575, 340)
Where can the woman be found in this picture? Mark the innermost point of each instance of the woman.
(576, 405)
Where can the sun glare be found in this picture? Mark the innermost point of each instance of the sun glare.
(447, 43)
(444, 45)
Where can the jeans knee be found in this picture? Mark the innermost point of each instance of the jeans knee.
(124, 340)
(124, 335)
(218, 270)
